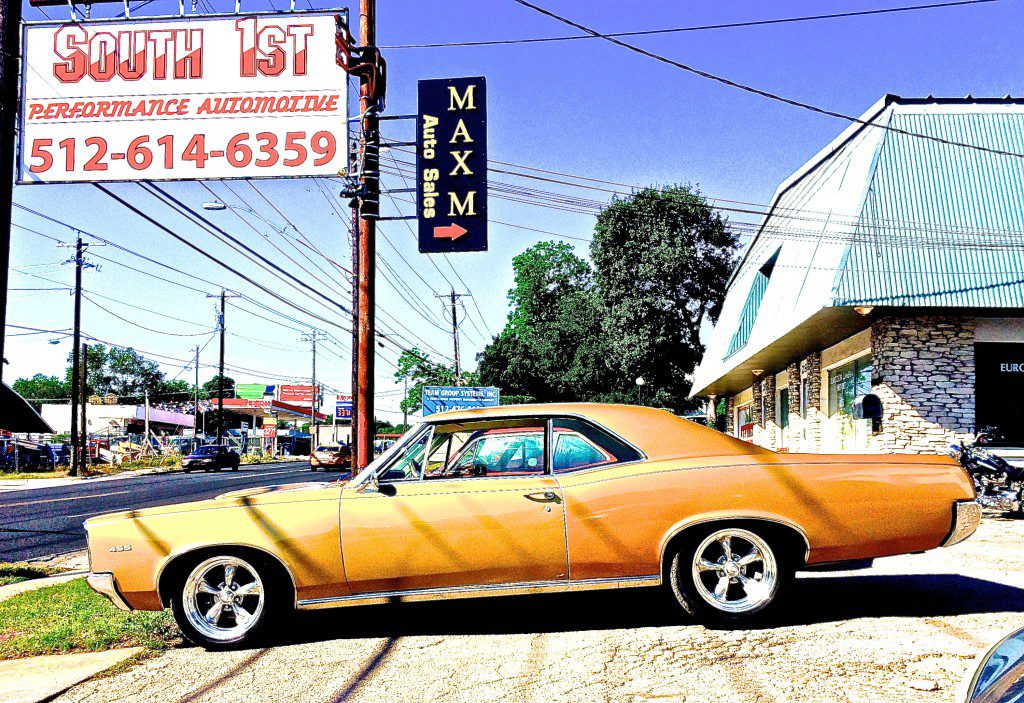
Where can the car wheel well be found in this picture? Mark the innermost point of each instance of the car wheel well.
(789, 539)
(175, 572)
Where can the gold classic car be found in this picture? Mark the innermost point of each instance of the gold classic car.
(530, 499)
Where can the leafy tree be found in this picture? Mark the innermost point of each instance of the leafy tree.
(41, 387)
(177, 390)
(385, 427)
(421, 371)
(662, 259)
(552, 347)
(210, 387)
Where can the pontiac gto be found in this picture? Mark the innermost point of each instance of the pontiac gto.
(530, 499)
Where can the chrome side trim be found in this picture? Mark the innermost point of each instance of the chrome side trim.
(105, 585)
(499, 589)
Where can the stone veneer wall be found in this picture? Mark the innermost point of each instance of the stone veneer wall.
(811, 368)
(923, 371)
(756, 406)
(768, 411)
(730, 415)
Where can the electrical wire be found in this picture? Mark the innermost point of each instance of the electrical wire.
(759, 91)
(696, 28)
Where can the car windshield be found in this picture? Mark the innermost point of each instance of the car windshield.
(389, 453)
(206, 451)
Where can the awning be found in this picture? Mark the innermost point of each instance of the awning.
(16, 415)
(268, 408)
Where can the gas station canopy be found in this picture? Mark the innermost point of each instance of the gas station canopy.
(270, 408)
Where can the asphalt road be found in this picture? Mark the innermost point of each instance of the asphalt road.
(41, 522)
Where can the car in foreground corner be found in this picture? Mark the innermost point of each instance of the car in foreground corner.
(530, 499)
(212, 457)
(326, 456)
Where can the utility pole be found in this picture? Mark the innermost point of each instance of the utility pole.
(195, 427)
(453, 297)
(220, 374)
(148, 444)
(84, 427)
(353, 430)
(10, 56)
(369, 210)
(405, 397)
(311, 338)
(75, 371)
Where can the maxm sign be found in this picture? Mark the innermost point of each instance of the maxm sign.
(437, 399)
(189, 98)
(451, 165)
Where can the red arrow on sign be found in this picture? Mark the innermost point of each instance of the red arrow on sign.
(451, 232)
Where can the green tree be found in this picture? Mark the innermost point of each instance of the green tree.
(662, 258)
(421, 371)
(42, 388)
(209, 389)
(552, 347)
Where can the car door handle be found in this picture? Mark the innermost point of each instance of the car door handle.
(546, 497)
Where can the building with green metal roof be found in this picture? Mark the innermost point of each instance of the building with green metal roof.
(891, 263)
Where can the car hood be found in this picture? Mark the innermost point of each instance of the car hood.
(285, 493)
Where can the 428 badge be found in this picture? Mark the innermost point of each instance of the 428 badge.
(262, 149)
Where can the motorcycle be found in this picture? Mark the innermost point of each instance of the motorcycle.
(999, 484)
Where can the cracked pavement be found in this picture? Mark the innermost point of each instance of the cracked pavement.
(906, 630)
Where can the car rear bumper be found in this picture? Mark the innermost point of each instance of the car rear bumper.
(966, 518)
(104, 584)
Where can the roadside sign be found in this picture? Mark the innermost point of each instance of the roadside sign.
(451, 165)
(343, 409)
(244, 426)
(253, 391)
(269, 430)
(297, 394)
(182, 98)
(437, 399)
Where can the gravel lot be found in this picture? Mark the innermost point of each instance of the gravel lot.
(906, 630)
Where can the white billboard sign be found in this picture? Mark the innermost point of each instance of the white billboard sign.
(192, 98)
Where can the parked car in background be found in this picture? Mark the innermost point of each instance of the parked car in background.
(531, 499)
(327, 456)
(212, 457)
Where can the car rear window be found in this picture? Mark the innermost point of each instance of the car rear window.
(581, 445)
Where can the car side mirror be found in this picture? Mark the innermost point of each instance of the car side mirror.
(1000, 674)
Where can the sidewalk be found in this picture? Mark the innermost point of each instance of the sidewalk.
(39, 679)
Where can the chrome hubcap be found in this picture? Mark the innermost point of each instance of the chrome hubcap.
(223, 598)
(735, 571)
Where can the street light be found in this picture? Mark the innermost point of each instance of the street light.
(640, 382)
(215, 205)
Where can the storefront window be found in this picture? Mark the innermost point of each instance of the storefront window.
(846, 383)
(782, 409)
(745, 421)
(805, 396)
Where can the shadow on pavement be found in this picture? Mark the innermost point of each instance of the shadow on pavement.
(812, 600)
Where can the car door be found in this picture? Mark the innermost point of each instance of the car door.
(454, 517)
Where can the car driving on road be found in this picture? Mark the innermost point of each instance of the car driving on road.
(327, 456)
(213, 457)
(531, 499)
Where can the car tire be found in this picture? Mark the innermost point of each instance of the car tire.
(202, 586)
(730, 574)
(312, 468)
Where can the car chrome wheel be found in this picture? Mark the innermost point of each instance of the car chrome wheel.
(735, 571)
(223, 598)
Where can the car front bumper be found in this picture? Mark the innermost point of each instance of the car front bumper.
(105, 585)
(966, 518)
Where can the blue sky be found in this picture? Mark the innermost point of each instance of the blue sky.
(585, 107)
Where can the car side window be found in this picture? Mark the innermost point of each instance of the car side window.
(581, 445)
(494, 448)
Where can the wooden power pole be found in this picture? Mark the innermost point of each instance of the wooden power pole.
(366, 273)
(10, 57)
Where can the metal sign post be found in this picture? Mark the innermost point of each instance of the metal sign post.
(451, 165)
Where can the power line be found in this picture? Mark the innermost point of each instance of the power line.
(695, 28)
(759, 91)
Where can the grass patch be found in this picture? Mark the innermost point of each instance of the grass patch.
(71, 617)
(19, 475)
(16, 573)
